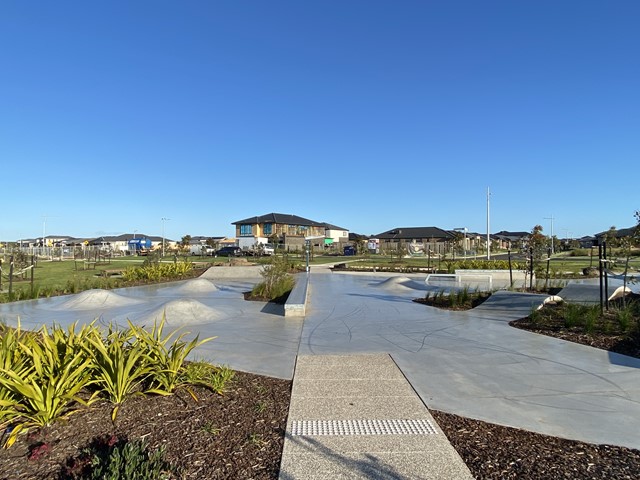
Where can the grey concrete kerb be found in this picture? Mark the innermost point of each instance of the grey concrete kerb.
(297, 302)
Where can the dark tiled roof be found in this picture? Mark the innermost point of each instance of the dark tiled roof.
(506, 234)
(333, 227)
(622, 232)
(280, 219)
(414, 232)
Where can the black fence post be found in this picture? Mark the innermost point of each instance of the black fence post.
(32, 269)
(531, 269)
(606, 276)
(546, 282)
(601, 279)
(10, 277)
(510, 269)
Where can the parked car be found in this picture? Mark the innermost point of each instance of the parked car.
(349, 250)
(268, 249)
(229, 252)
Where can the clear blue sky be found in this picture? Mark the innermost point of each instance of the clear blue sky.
(366, 114)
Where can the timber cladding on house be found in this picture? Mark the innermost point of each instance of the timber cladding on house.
(287, 230)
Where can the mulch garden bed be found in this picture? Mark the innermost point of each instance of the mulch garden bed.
(238, 435)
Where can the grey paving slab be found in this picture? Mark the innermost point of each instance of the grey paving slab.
(372, 389)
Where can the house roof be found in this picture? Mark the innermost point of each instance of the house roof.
(125, 237)
(414, 232)
(279, 218)
(505, 235)
(622, 232)
(333, 227)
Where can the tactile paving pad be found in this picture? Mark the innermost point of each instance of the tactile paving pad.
(362, 427)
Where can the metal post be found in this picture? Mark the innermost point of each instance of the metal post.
(32, 269)
(307, 248)
(546, 282)
(600, 277)
(488, 234)
(605, 275)
(531, 269)
(510, 269)
(10, 276)
(551, 218)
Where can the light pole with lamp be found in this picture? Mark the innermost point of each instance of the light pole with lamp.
(551, 218)
(163, 220)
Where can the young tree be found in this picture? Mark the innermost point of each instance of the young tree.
(611, 236)
(184, 243)
(538, 242)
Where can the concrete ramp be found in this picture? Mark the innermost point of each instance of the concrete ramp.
(588, 292)
(233, 271)
(401, 283)
(197, 286)
(180, 313)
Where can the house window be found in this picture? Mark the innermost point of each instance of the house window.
(268, 228)
(246, 231)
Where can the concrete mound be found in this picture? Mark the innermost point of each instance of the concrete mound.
(199, 285)
(97, 298)
(394, 282)
(404, 283)
(181, 312)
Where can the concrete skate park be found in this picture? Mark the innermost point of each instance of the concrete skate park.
(470, 363)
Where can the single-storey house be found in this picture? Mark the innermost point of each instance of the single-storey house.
(417, 240)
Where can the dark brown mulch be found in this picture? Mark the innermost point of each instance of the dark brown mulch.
(444, 302)
(606, 334)
(496, 452)
(238, 435)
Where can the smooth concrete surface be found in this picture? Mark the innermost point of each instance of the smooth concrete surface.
(474, 364)
(362, 388)
(251, 336)
(468, 363)
(587, 291)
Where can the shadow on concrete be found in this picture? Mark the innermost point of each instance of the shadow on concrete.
(272, 308)
(624, 360)
(371, 467)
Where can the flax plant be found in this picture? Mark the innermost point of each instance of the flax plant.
(120, 365)
(46, 385)
(167, 354)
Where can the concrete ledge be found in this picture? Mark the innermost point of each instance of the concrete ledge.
(297, 301)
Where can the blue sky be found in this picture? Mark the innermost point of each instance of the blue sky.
(365, 114)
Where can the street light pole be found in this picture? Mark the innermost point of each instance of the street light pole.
(551, 218)
(488, 234)
(163, 220)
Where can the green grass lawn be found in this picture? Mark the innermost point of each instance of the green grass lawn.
(69, 276)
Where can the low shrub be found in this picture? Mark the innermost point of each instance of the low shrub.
(110, 458)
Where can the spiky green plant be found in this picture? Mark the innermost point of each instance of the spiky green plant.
(46, 386)
(120, 365)
(167, 355)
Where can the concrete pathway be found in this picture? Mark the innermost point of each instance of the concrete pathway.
(357, 417)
